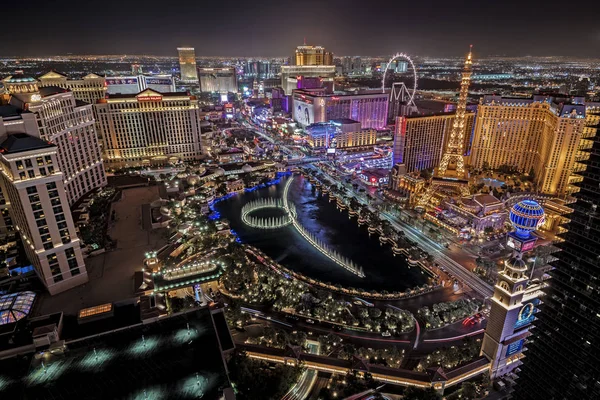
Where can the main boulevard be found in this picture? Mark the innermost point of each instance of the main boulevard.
(452, 259)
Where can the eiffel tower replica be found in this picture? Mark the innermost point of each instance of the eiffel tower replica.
(451, 171)
(454, 153)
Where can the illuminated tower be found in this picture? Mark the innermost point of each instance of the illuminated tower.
(454, 154)
(515, 299)
(187, 64)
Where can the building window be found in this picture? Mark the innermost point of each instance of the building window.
(31, 190)
(28, 163)
(48, 245)
(19, 165)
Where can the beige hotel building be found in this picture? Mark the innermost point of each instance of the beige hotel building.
(69, 123)
(89, 88)
(538, 134)
(33, 185)
(149, 128)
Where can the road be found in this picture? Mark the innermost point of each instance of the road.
(303, 387)
(440, 255)
(439, 252)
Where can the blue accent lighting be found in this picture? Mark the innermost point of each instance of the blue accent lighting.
(525, 217)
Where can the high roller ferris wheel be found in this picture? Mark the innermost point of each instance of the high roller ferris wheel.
(410, 92)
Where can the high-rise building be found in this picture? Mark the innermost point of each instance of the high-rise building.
(70, 125)
(353, 66)
(562, 357)
(532, 135)
(454, 152)
(419, 141)
(313, 55)
(89, 88)
(33, 185)
(149, 128)
(291, 75)
(12, 120)
(218, 80)
(187, 64)
(367, 107)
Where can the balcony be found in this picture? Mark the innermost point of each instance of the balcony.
(574, 178)
(579, 167)
(571, 189)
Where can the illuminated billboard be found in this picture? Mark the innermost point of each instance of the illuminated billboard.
(121, 81)
(513, 243)
(514, 347)
(519, 244)
(159, 81)
(303, 111)
(528, 246)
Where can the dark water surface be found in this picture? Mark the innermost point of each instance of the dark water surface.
(383, 270)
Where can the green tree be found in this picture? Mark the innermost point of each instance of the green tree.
(469, 390)
(258, 380)
(412, 393)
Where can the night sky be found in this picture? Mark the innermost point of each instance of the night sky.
(274, 28)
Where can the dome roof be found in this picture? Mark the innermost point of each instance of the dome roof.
(15, 306)
(516, 264)
(526, 216)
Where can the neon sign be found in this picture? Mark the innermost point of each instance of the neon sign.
(149, 98)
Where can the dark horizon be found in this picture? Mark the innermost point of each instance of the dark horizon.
(274, 28)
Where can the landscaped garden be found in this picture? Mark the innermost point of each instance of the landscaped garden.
(442, 314)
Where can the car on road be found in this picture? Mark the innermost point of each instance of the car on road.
(386, 334)
(310, 321)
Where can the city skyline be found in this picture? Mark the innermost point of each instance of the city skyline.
(297, 221)
(345, 28)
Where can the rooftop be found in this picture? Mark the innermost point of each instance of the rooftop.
(9, 110)
(20, 142)
(176, 357)
(149, 92)
(344, 121)
(15, 306)
(51, 90)
(19, 79)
